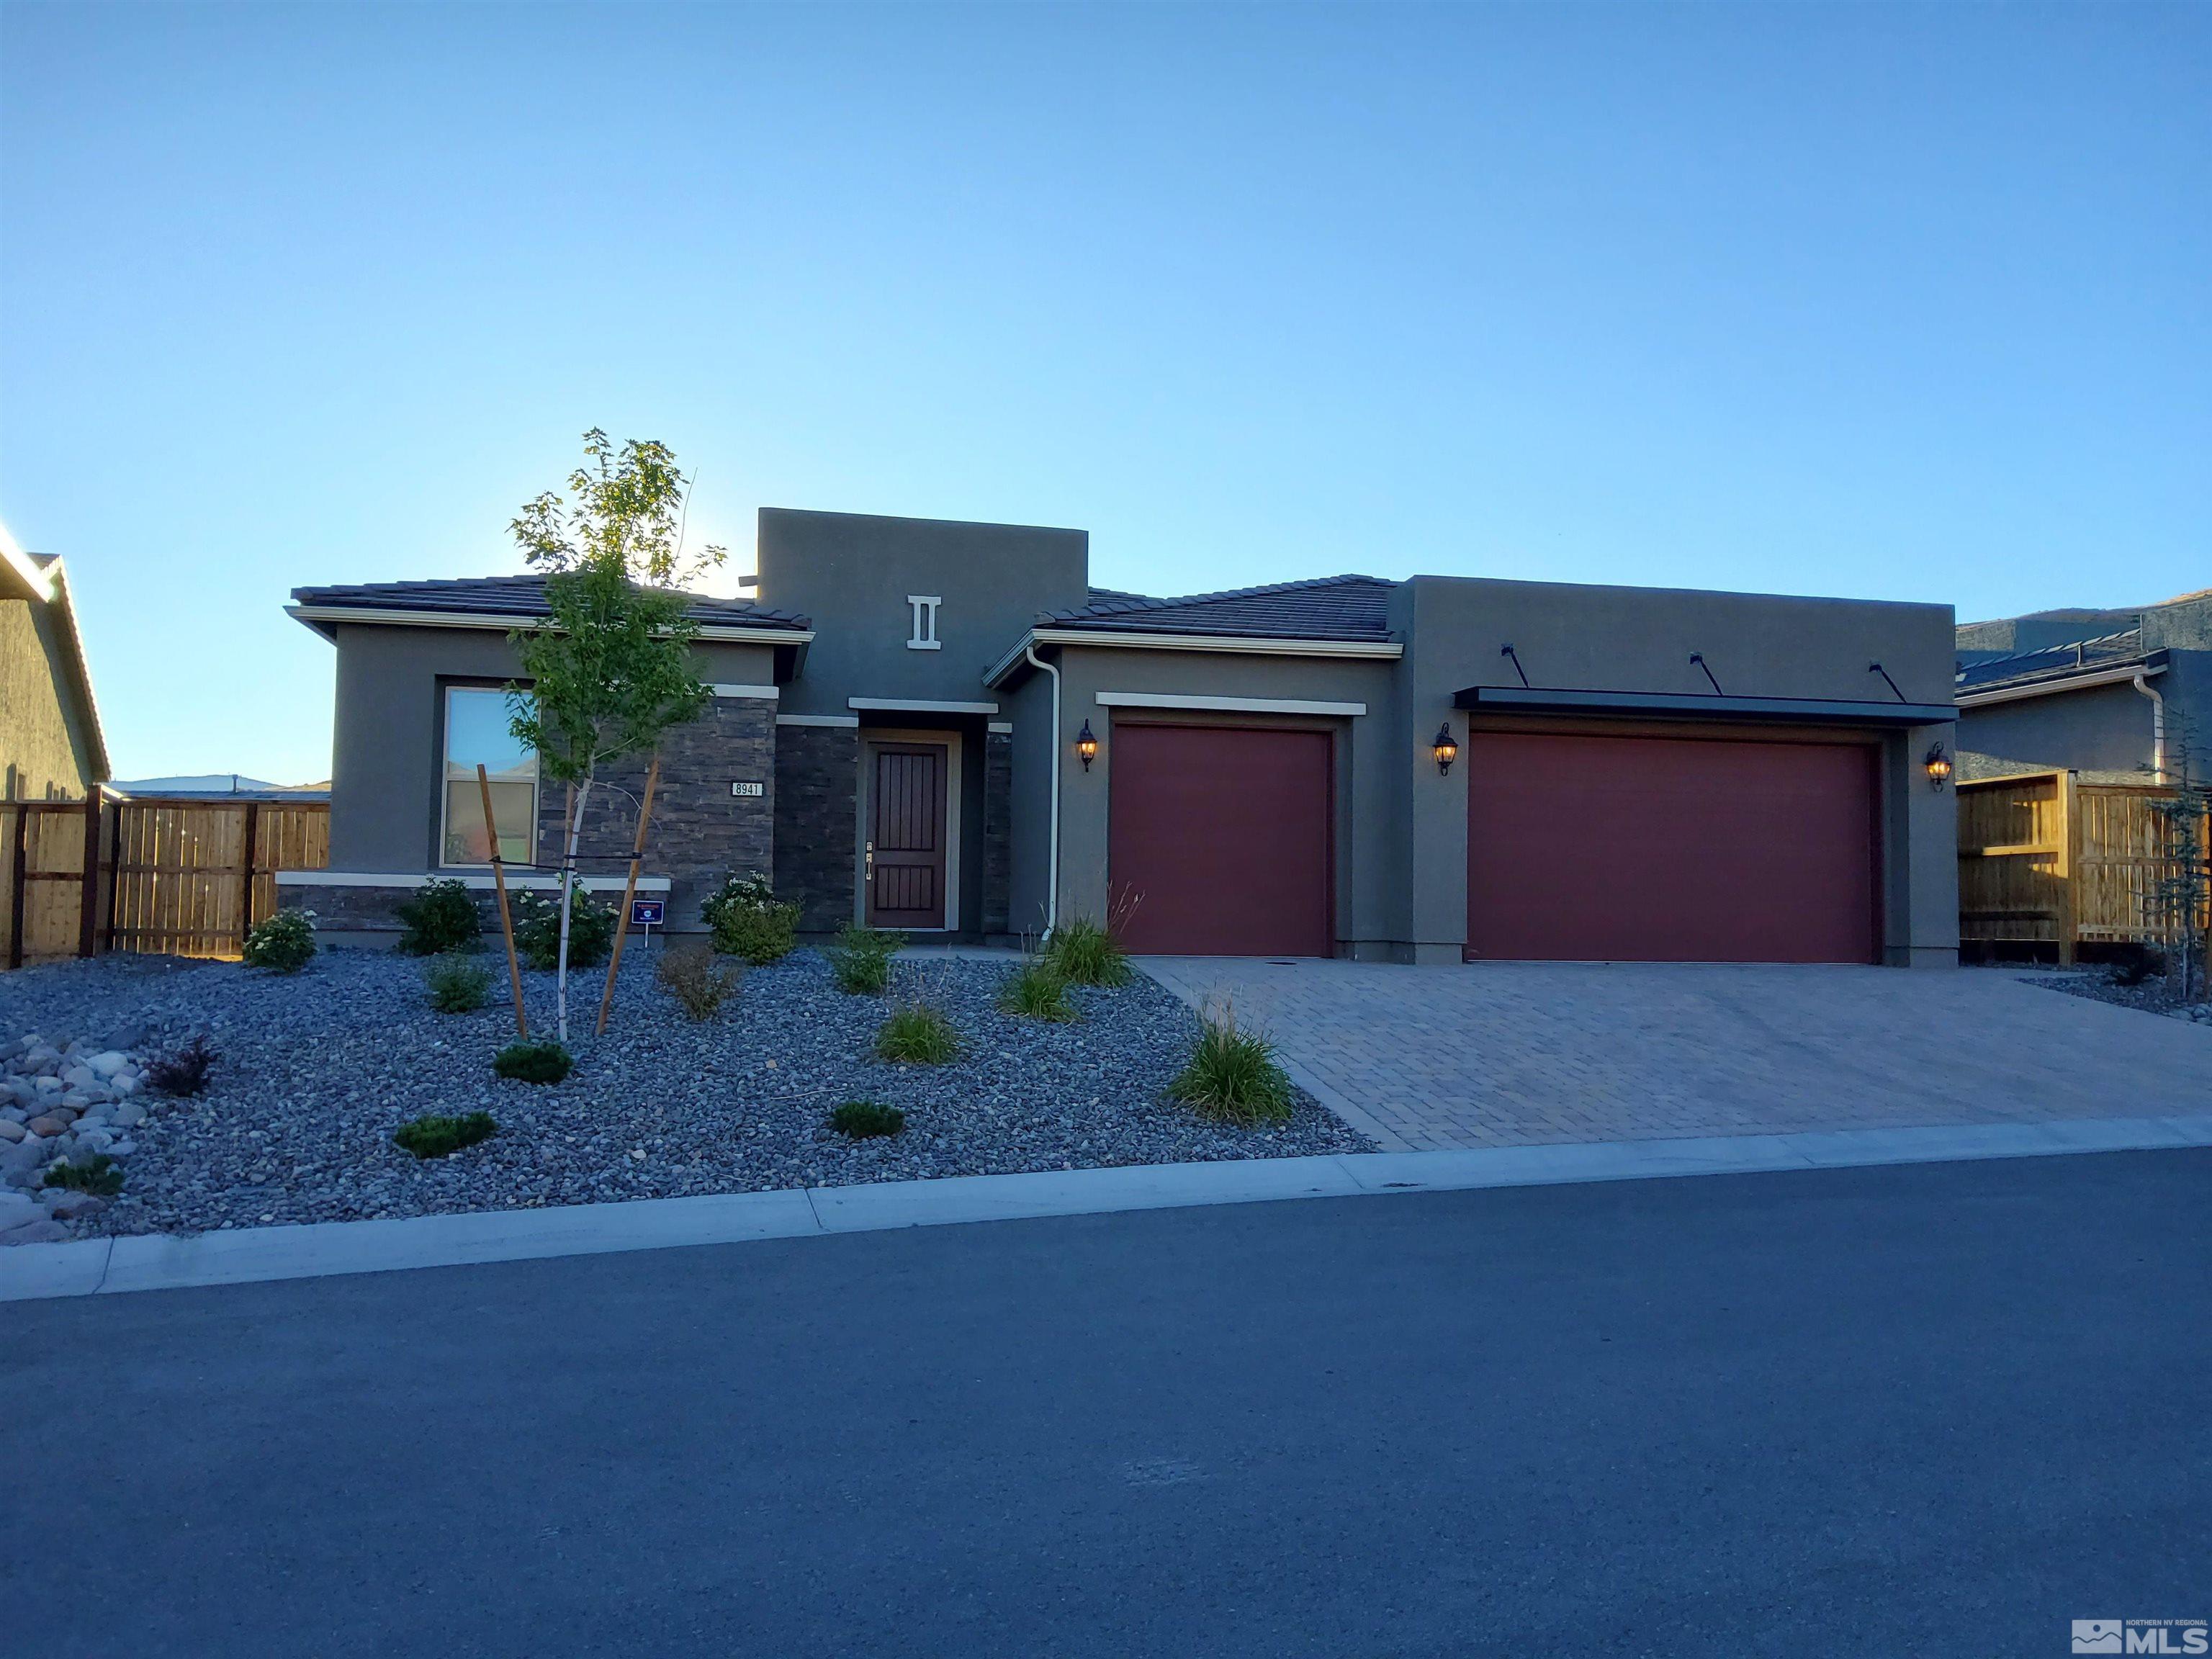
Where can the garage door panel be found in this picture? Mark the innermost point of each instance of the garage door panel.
(1659, 849)
(1220, 842)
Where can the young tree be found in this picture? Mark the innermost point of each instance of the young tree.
(610, 670)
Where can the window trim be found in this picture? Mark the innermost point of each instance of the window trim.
(446, 689)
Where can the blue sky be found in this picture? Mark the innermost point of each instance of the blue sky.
(1907, 303)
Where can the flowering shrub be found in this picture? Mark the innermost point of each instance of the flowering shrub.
(538, 930)
(283, 943)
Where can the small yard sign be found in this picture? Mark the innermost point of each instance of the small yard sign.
(648, 912)
(746, 789)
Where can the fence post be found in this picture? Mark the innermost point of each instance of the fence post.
(2070, 868)
(245, 888)
(114, 881)
(15, 885)
(88, 925)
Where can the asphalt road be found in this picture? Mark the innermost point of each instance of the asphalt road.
(1934, 1410)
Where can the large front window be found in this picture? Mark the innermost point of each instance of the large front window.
(477, 734)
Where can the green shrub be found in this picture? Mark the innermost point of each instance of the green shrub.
(533, 1059)
(759, 937)
(863, 1120)
(748, 922)
(696, 979)
(1083, 953)
(435, 1137)
(860, 961)
(1034, 991)
(1231, 1075)
(538, 931)
(95, 1173)
(456, 984)
(440, 917)
(283, 943)
(919, 1035)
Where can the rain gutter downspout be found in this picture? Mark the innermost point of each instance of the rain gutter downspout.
(2142, 683)
(1052, 877)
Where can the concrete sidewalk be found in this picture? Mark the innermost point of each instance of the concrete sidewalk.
(163, 1261)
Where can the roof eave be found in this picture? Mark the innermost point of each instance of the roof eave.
(2070, 679)
(324, 618)
(1270, 645)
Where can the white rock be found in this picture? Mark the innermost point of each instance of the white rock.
(130, 1114)
(109, 1064)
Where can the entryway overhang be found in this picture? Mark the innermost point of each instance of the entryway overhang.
(1673, 705)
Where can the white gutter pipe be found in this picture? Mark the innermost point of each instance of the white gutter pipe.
(2142, 683)
(1052, 878)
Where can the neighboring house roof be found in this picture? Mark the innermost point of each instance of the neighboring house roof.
(494, 597)
(1323, 608)
(39, 579)
(2100, 658)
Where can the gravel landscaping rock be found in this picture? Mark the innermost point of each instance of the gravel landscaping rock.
(317, 1070)
(2155, 995)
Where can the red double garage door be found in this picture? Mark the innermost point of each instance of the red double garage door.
(1654, 848)
(1220, 840)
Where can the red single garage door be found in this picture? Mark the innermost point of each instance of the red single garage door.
(1669, 849)
(1218, 841)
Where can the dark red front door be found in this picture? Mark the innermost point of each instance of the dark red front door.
(1669, 849)
(906, 857)
(1218, 841)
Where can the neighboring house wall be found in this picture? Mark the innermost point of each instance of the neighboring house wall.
(2100, 728)
(2105, 732)
(44, 751)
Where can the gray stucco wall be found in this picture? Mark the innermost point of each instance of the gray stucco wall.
(1362, 764)
(1633, 639)
(1639, 640)
(2104, 728)
(852, 574)
(386, 748)
(1402, 827)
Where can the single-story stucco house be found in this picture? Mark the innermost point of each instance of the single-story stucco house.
(2114, 697)
(943, 728)
(50, 745)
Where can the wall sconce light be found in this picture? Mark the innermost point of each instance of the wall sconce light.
(1086, 745)
(1939, 768)
(1445, 749)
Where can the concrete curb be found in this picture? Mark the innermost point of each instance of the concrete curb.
(164, 1261)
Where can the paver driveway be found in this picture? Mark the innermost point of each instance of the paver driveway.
(1515, 1054)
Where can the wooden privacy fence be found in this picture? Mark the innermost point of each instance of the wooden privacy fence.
(2045, 859)
(176, 878)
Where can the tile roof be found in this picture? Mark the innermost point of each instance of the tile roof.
(1323, 608)
(2054, 662)
(518, 596)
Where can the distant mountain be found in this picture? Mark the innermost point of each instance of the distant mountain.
(217, 785)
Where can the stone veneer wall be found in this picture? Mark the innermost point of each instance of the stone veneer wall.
(700, 832)
(998, 830)
(817, 771)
